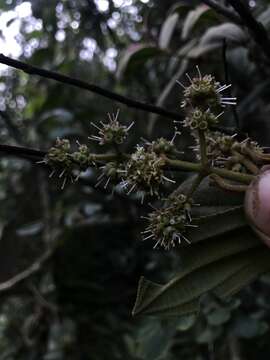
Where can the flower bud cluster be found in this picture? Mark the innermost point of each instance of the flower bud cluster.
(202, 92)
(112, 132)
(218, 145)
(200, 120)
(144, 172)
(59, 154)
(111, 171)
(167, 225)
(81, 157)
(205, 92)
(202, 98)
(227, 152)
(162, 146)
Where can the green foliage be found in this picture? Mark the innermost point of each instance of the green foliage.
(79, 305)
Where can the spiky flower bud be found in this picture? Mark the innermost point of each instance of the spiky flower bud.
(59, 153)
(81, 157)
(144, 172)
(205, 92)
(167, 225)
(112, 132)
(112, 171)
(200, 120)
(162, 146)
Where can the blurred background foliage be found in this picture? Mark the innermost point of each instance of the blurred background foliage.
(78, 306)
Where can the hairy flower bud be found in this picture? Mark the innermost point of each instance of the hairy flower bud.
(144, 172)
(200, 120)
(204, 92)
(167, 225)
(257, 205)
(81, 157)
(112, 132)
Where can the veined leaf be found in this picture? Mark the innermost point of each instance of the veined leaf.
(205, 266)
(182, 294)
(217, 221)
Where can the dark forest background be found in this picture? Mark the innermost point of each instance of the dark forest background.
(85, 242)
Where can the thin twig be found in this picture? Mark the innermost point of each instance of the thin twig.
(256, 29)
(223, 10)
(34, 70)
(33, 269)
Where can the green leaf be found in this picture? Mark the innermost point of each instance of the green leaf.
(165, 93)
(264, 18)
(181, 8)
(193, 18)
(155, 339)
(218, 317)
(186, 322)
(217, 214)
(201, 50)
(217, 221)
(134, 56)
(228, 31)
(219, 266)
(167, 30)
(210, 195)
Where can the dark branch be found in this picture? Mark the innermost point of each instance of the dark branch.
(256, 28)
(33, 70)
(33, 269)
(22, 152)
(223, 10)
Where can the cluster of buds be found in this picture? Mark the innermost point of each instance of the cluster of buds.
(168, 225)
(112, 132)
(205, 92)
(62, 161)
(112, 171)
(202, 98)
(82, 157)
(144, 172)
(163, 146)
(227, 152)
(59, 153)
(59, 159)
(197, 119)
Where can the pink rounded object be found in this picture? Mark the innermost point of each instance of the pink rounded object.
(257, 204)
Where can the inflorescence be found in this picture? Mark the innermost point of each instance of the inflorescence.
(168, 225)
(145, 171)
(112, 132)
(205, 93)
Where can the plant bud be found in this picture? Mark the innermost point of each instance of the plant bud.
(257, 205)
